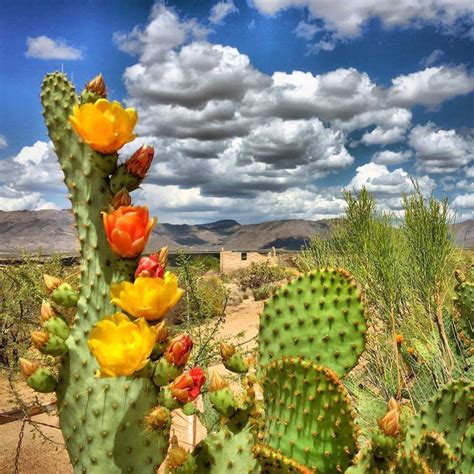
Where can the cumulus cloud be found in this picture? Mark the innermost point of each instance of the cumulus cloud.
(430, 87)
(3, 142)
(440, 151)
(235, 141)
(464, 206)
(221, 10)
(306, 30)
(388, 186)
(42, 47)
(383, 136)
(347, 19)
(32, 179)
(389, 157)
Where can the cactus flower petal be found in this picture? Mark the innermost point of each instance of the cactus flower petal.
(105, 126)
(127, 229)
(121, 346)
(147, 297)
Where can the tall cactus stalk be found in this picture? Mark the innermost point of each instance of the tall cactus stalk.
(102, 419)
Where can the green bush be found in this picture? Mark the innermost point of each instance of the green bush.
(264, 292)
(259, 274)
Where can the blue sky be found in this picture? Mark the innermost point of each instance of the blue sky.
(258, 110)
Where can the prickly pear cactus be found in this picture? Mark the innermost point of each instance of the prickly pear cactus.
(102, 420)
(311, 332)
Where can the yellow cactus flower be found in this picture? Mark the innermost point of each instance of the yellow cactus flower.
(105, 126)
(147, 297)
(121, 346)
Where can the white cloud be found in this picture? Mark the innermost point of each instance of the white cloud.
(347, 18)
(387, 186)
(251, 25)
(432, 58)
(440, 151)
(306, 30)
(13, 200)
(164, 32)
(383, 136)
(469, 172)
(221, 10)
(464, 206)
(431, 86)
(3, 142)
(42, 47)
(389, 157)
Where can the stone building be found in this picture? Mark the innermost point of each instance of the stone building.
(231, 261)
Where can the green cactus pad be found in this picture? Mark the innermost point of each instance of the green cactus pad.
(411, 463)
(319, 316)
(449, 413)
(437, 453)
(466, 461)
(226, 453)
(272, 462)
(308, 415)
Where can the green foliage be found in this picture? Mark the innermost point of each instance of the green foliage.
(21, 294)
(259, 274)
(264, 292)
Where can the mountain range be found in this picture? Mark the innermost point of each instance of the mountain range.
(50, 231)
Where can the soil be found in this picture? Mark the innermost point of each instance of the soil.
(44, 453)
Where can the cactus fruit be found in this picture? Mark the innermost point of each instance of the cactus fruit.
(318, 316)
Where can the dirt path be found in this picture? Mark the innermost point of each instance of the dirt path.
(48, 456)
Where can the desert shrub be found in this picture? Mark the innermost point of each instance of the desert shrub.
(21, 293)
(258, 274)
(265, 291)
(405, 266)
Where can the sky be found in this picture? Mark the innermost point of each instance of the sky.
(258, 109)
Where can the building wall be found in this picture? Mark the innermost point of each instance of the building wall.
(231, 261)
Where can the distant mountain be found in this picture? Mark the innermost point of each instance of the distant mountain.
(51, 231)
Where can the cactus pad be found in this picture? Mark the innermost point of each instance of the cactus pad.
(308, 416)
(225, 452)
(319, 316)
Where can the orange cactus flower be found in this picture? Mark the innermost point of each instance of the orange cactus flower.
(399, 339)
(127, 229)
(188, 386)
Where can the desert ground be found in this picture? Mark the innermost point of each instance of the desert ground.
(49, 456)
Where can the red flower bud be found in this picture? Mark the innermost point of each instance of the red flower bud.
(188, 386)
(150, 267)
(139, 163)
(179, 349)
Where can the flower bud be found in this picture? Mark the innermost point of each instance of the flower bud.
(150, 267)
(51, 282)
(58, 327)
(227, 350)
(177, 457)
(39, 339)
(97, 86)
(139, 163)
(122, 198)
(179, 350)
(65, 295)
(28, 367)
(162, 332)
(217, 382)
(158, 417)
(47, 311)
(42, 380)
(390, 422)
(163, 256)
